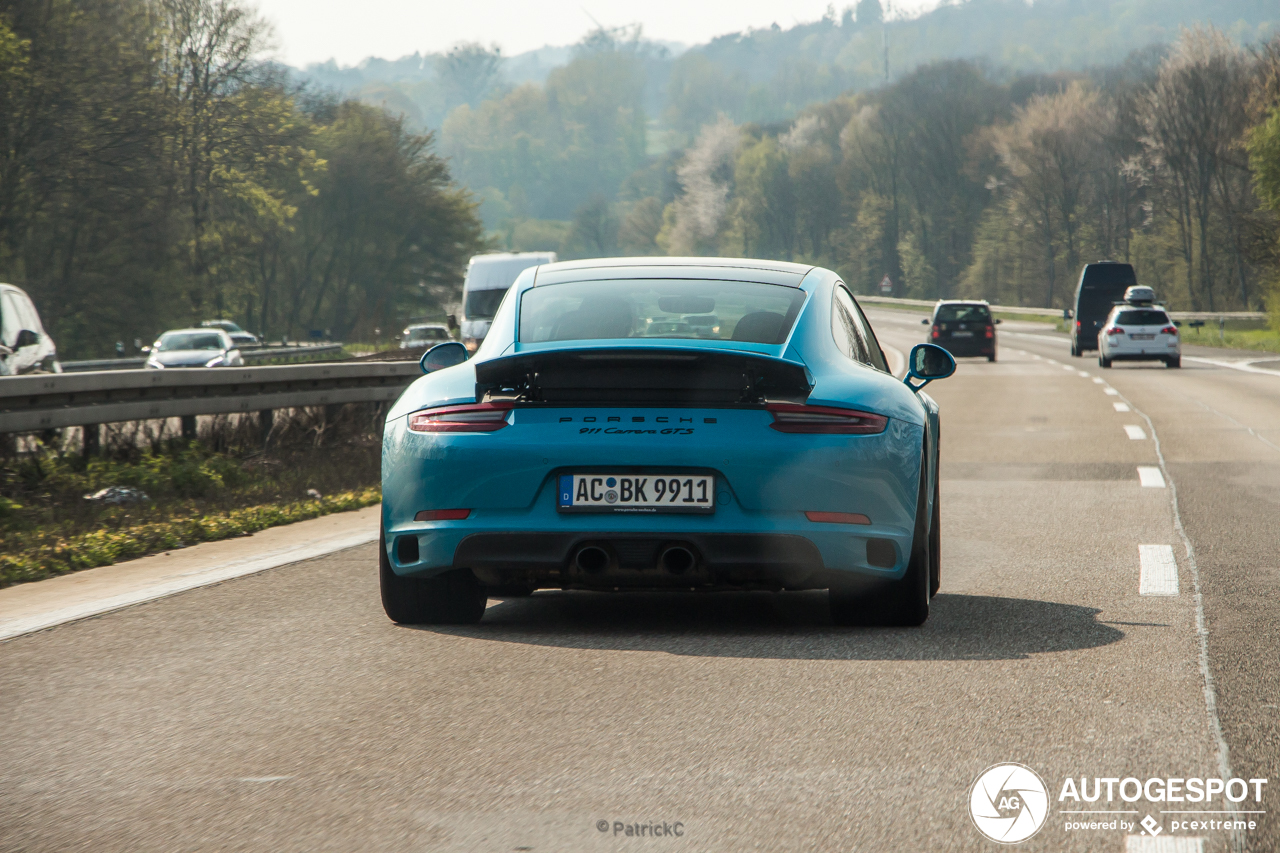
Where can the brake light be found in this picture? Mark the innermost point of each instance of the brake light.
(991, 331)
(1077, 324)
(936, 333)
(1169, 330)
(838, 517)
(442, 515)
(790, 417)
(1115, 330)
(484, 417)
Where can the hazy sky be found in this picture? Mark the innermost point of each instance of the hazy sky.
(316, 30)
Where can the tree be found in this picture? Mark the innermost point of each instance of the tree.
(468, 73)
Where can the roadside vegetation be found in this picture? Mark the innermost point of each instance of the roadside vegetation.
(222, 485)
(159, 170)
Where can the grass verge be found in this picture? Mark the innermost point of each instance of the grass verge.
(105, 547)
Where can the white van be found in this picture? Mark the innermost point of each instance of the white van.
(25, 347)
(488, 279)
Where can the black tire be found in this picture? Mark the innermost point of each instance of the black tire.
(935, 538)
(902, 603)
(991, 357)
(1103, 362)
(1174, 362)
(453, 598)
(1075, 351)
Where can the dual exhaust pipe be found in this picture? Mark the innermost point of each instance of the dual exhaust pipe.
(674, 559)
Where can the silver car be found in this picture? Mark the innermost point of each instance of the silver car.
(193, 348)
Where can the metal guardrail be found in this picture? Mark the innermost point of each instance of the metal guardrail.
(1056, 313)
(53, 400)
(263, 353)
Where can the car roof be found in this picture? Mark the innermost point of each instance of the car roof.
(731, 269)
(201, 330)
(964, 302)
(426, 326)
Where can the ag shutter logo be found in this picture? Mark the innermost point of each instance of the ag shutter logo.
(1008, 803)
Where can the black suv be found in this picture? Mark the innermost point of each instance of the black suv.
(963, 328)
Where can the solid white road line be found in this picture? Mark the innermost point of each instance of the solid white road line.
(1150, 477)
(1159, 571)
(1168, 844)
(1121, 407)
(1135, 432)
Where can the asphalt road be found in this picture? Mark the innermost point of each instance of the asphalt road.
(282, 711)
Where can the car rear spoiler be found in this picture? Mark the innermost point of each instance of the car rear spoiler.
(647, 376)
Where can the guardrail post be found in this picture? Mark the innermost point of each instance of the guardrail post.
(266, 420)
(188, 427)
(91, 435)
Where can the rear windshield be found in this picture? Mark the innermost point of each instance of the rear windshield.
(659, 308)
(962, 314)
(1142, 318)
(428, 334)
(190, 340)
(483, 304)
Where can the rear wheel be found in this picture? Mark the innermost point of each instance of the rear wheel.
(453, 598)
(991, 357)
(1176, 361)
(510, 590)
(900, 603)
(1103, 361)
(1075, 351)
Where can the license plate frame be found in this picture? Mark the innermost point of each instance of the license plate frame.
(700, 485)
(1143, 337)
(961, 334)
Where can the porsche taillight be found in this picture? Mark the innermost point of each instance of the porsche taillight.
(825, 420)
(483, 417)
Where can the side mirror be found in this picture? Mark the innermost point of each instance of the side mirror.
(443, 355)
(926, 363)
(452, 322)
(924, 322)
(999, 321)
(26, 338)
(1177, 323)
(1067, 313)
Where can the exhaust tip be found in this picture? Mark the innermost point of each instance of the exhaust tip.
(591, 559)
(677, 559)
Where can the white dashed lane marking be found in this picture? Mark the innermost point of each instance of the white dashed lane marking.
(1113, 392)
(1150, 477)
(1135, 432)
(1121, 407)
(1098, 380)
(1159, 571)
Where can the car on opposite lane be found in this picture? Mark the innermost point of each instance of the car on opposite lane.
(587, 447)
(1139, 333)
(203, 347)
(424, 334)
(963, 328)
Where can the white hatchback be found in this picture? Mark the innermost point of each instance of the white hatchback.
(1139, 334)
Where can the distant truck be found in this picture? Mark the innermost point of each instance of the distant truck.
(1101, 286)
(488, 279)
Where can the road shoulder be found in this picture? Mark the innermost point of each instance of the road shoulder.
(43, 604)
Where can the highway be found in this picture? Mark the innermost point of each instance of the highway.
(283, 711)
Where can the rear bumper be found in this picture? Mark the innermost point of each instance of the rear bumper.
(808, 556)
(968, 346)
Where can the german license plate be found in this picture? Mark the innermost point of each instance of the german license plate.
(637, 493)
(1143, 337)
(962, 334)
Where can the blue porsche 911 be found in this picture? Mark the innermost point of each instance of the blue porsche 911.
(665, 423)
